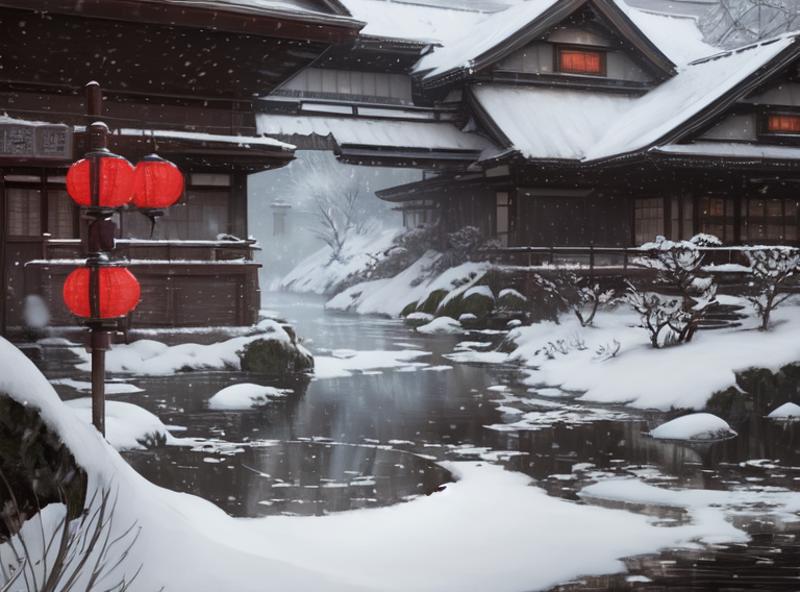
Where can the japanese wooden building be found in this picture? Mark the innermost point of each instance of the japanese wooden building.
(561, 123)
(179, 78)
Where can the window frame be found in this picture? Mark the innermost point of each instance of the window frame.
(764, 133)
(601, 51)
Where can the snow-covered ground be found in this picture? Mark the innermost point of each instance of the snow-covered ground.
(390, 296)
(318, 273)
(490, 530)
(569, 357)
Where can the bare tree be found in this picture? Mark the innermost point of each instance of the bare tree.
(75, 554)
(771, 268)
(734, 23)
(336, 217)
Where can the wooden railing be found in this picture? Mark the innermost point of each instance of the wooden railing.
(594, 258)
(160, 250)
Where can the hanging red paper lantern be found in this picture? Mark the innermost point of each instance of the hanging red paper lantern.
(157, 183)
(116, 181)
(118, 291)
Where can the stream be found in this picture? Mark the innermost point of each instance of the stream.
(375, 438)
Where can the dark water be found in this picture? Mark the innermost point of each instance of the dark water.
(371, 440)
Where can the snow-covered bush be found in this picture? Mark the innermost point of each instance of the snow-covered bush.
(678, 267)
(578, 294)
(771, 268)
(462, 246)
(662, 318)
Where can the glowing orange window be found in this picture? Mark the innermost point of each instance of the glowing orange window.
(580, 61)
(784, 124)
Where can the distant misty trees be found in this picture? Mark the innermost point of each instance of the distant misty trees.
(733, 23)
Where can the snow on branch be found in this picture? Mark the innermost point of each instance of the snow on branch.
(770, 269)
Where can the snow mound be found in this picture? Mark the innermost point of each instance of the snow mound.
(128, 426)
(245, 396)
(441, 326)
(786, 411)
(480, 291)
(153, 358)
(111, 388)
(420, 316)
(694, 427)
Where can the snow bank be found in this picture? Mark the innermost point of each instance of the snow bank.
(696, 427)
(702, 503)
(111, 388)
(148, 357)
(390, 296)
(344, 363)
(128, 426)
(441, 326)
(786, 411)
(245, 396)
(683, 377)
(491, 530)
(318, 274)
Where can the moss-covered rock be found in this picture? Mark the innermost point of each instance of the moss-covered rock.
(452, 307)
(36, 466)
(478, 301)
(511, 300)
(409, 308)
(431, 303)
(417, 319)
(275, 357)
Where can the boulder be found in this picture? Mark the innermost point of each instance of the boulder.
(478, 301)
(511, 300)
(275, 357)
(431, 303)
(409, 308)
(417, 319)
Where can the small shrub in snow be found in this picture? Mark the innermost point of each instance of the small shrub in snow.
(607, 351)
(662, 318)
(771, 268)
(576, 293)
(678, 266)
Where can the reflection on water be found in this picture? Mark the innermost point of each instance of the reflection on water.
(446, 416)
(299, 478)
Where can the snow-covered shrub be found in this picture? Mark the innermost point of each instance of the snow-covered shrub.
(607, 350)
(573, 292)
(462, 245)
(771, 268)
(663, 319)
(678, 267)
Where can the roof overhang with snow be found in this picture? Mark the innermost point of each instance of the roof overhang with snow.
(365, 140)
(511, 30)
(317, 20)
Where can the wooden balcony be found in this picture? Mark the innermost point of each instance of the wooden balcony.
(184, 283)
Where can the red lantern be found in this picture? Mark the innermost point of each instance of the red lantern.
(115, 180)
(118, 291)
(157, 183)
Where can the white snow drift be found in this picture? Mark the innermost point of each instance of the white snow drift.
(245, 396)
(696, 427)
(491, 530)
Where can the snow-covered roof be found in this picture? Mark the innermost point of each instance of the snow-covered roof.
(482, 37)
(679, 37)
(731, 150)
(696, 87)
(244, 141)
(554, 123)
(390, 19)
(300, 9)
(373, 133)
(551, 123)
